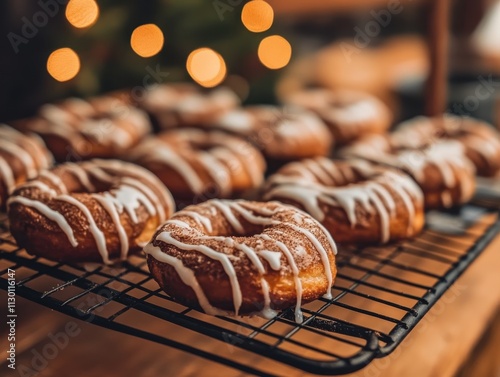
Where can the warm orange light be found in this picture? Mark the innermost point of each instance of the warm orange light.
(206, 67)
(147, 40)
(63, 64)
(275, 52)
(257, 16)
(82, 13)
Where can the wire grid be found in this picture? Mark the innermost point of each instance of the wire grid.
(380, 294)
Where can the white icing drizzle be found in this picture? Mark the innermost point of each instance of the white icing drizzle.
(41, 186)
(127, 194)
(107, 202)
(79, 173)
(266, 311)
(167, 238)
(486, 147)
(295, 271)
(7, 175)
(97, 233)
(199, 219)
(192, 153)
(236, 121)
(373, 195)
(49, 213)
(322, 252)
(218, 171)
(228, 214)
(54, 180)
(149, 198)
(76, 119)
(272, 257)
(162, 153)
(26, 159)
(187, 276)
(182, 224)
(130, 198)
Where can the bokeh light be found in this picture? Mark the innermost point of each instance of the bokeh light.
(63, 64)
(147, 40)
(82, 13)
(206, 67)
(275, 52)
(257, 16)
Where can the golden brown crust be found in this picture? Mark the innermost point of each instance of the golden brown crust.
(184, 253)
(440, 166)
(185, 105)
(21, 157)
(281, 133)
(89, 212)
(77, 129)
(359, 203)
(198, 165)
(349, 114)
(480, 140)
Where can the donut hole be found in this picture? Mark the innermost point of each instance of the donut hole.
(340, 103)
(203, 146)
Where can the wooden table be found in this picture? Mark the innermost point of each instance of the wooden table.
(441, 345)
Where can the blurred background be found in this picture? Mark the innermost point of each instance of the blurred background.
(376, 45)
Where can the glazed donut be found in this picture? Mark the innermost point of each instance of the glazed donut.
(282, 133)
(77, 129)
(21, 158)
(185, 105)
(441, 169)
(98, 210)
(201, 164)
(480, 140)
(243, 258)
(349, 114)
(358, 202)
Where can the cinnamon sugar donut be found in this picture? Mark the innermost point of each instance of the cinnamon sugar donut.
(480, 140)
(202, 165)
(243, 258)
(349, 114)
(77, 129)
(358, 202)
(282, 133)
(21, 158)
(186, 105)
(98, 210)
(442, 170)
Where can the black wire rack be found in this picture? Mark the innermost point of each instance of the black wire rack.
(381, 293)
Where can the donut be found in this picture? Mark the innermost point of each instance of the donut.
(185, 105)
(21, 158)
(97, 210)
(358, 202)
(349, 114)
(480, 140)
(441, 169)
(77, 129)
(281, 133)
(199, 165)
(243, 258)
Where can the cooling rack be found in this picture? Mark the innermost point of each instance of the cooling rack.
(381, 293)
